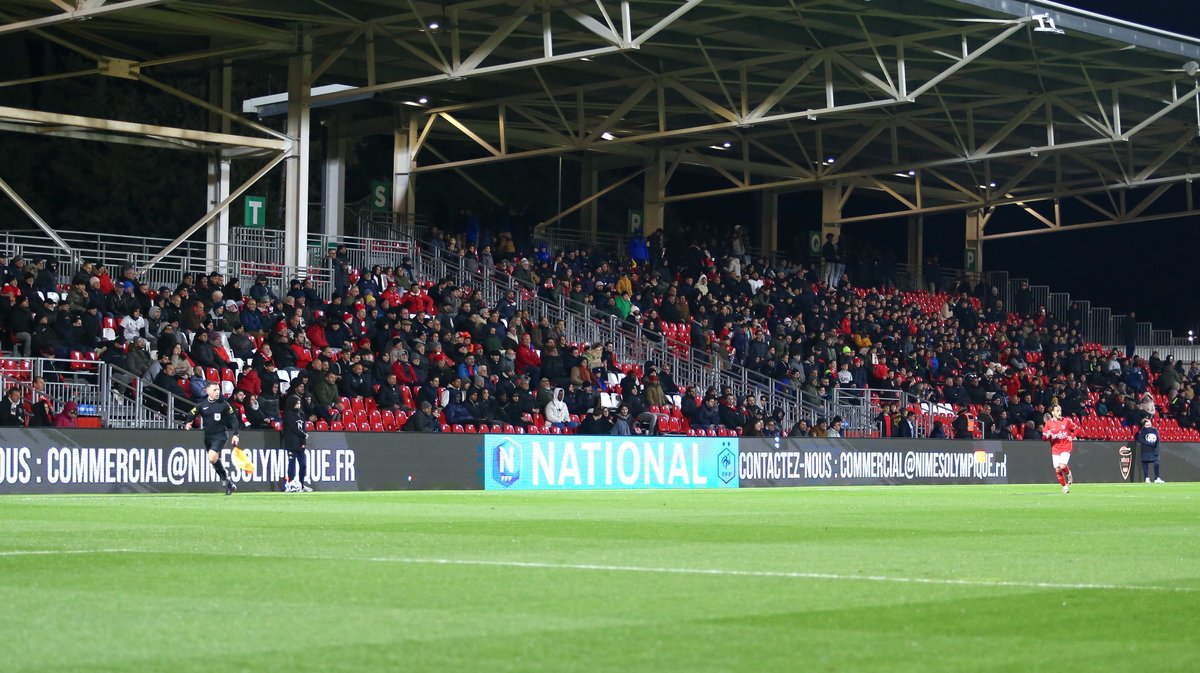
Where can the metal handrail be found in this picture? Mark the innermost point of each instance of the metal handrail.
(129, 409)
(859, 408)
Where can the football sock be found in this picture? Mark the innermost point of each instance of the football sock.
(220, 468)
(1062, 478)
(1066, 473)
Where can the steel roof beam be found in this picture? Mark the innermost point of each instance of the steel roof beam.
(91, 10)
(110, 126)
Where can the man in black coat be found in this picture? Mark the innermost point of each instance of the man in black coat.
(1129, 331)
(389, 397)
(12, 409)
(908, 426)
(596, 423)
(423, 420)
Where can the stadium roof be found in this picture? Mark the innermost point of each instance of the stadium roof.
(941, 105)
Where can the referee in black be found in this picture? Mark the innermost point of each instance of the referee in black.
(218, 417)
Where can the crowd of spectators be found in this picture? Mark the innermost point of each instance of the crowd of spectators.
(428, 354)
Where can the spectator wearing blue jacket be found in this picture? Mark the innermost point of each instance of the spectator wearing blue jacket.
(456, 411)
(466, 370)
(638, 251)
(252, 318)
(707, 416)
(260, 292)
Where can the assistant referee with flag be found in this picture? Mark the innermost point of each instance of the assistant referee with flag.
(218, 418)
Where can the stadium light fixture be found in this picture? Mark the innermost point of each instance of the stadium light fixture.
(608, 136)
(422, 100)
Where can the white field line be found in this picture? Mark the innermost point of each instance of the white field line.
(66, 552)
(592, 567)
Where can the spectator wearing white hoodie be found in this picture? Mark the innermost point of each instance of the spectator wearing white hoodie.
(134, 326)
(557, 414)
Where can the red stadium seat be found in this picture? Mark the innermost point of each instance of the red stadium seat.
(321, 426)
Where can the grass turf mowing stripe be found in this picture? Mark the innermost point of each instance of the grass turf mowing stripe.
(595, 567)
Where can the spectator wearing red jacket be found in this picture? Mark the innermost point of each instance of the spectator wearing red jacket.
(67, 418)
(406, 373)
(316, 333)
(417, 301)
(528, 361)
(302, 351)
(250, 382)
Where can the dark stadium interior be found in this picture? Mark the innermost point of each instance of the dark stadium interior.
(125, 189)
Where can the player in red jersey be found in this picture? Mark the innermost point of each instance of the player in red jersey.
(1061, 432)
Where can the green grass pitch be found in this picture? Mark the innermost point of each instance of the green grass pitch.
(1004, 578)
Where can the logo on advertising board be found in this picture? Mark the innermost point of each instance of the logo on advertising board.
(571, 462)
(506, 463)
(1126, 455)
(726, 464)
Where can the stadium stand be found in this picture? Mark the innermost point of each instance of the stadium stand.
(535, 342)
